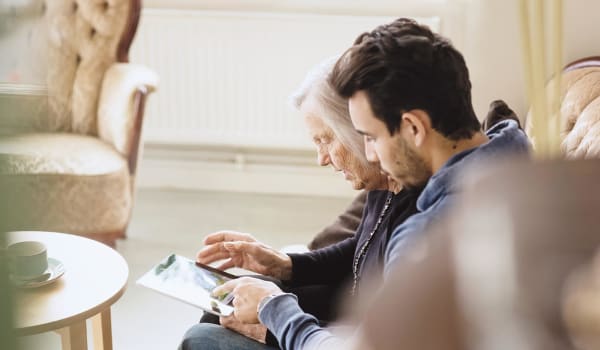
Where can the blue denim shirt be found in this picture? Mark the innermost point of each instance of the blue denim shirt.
(295, 329)
(506, 138)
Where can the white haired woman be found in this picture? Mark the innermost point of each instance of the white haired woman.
(315, 277)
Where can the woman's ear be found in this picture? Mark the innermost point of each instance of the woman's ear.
(415, 126)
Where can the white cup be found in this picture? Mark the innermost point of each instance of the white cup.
(28, 259)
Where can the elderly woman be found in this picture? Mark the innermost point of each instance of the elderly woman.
(314, 277)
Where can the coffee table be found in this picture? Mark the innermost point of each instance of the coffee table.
(95, 278)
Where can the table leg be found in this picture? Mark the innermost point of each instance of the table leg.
(74, 337)
(101, 325)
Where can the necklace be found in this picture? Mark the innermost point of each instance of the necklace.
(365, 246)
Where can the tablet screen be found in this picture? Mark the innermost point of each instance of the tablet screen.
(182, 278)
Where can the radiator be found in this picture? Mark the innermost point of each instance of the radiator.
(225, 77)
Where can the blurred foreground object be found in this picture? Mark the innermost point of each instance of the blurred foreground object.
(498, 273)
(68, 164)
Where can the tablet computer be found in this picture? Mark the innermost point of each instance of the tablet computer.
(190, 282)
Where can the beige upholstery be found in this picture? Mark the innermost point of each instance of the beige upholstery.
(120, 81)
(580, 113)
(82, 40)
(74, 170)
(63, 178)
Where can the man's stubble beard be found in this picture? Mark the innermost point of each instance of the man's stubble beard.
(415, 170)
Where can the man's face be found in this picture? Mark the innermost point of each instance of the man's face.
(397, 157)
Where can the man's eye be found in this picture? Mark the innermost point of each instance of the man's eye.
(369, 138)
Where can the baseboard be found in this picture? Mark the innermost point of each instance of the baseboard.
(283, 172)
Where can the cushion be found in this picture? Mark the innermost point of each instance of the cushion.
(64, 182)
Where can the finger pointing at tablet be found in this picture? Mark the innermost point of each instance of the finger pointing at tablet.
(246, 253)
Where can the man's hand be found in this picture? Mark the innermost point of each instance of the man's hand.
(243, 250)
(247, 294)
(256, 331)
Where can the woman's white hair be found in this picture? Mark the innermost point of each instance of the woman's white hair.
(331, 107)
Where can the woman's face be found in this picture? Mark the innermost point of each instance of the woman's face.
(330, 151)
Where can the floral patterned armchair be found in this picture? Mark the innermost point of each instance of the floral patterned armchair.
(72, 168)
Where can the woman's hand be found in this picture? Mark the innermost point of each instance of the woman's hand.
(243, 250)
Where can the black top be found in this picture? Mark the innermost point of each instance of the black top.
(332, 265)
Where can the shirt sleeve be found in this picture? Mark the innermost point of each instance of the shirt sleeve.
(293, 328)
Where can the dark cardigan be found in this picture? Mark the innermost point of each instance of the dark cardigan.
(332, 265)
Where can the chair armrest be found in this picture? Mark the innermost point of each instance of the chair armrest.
(120, 105)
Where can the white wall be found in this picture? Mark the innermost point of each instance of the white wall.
(486, 31)
(492, 47)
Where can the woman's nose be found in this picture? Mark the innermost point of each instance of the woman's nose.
(323, 158)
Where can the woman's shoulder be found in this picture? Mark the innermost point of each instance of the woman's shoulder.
(375, 196)
(406, 195)
(405, 204)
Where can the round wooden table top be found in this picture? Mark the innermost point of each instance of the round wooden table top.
(95, 278)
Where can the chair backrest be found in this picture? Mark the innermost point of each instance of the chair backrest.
(580, 109)
(80, 39)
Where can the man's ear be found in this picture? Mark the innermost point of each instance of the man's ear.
(416, 125)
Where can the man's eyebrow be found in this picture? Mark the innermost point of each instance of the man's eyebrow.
(364, 133)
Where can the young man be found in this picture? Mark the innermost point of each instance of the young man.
(410, 96)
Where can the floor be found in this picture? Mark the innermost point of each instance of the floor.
(167, 222)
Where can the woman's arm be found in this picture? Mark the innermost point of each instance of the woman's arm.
(329, 265)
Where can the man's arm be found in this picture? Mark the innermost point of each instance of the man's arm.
(293, 328)
(256, 301)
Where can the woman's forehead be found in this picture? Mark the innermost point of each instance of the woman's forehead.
(316, 125)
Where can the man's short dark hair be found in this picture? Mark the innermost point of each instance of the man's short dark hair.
(404, 66)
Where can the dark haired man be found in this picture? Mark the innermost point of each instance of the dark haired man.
(410, 96)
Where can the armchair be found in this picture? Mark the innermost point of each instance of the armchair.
(580, 110)
(73, 168)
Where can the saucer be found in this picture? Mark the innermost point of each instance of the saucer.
(54, 271)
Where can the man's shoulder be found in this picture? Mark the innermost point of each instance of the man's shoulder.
(414, 226)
